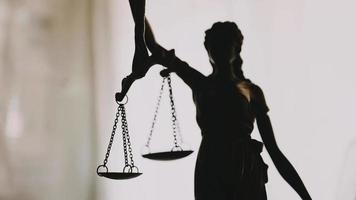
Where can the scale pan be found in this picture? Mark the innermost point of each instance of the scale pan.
(167, 155)
(118, 175)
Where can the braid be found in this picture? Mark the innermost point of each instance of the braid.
(237, 68)
(225, 33)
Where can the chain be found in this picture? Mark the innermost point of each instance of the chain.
(123, 117)
(126, 142)
(112, 136)
(180, 136)
(175, 124)
(126, 137)
(156, 113)
(173, 110)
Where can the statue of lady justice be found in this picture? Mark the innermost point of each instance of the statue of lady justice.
(229, 165)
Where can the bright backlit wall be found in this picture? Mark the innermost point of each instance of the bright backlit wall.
(299, 52)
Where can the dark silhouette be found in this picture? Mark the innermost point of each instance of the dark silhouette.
(143, 38)
(141, 62)
(229, 165)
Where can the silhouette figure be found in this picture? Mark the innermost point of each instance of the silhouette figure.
(229, 165)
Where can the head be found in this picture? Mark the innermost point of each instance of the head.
(223, 43)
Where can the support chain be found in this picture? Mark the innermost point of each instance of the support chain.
(156, 113)
(174, 113)
(125, 138)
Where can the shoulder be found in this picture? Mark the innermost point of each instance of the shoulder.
(256, 91)
(258, 98)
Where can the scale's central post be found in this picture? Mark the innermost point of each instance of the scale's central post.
(144, 39)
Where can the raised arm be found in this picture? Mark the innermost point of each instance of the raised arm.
(193, 78)
(282, 164)
(151, 43)
(144, 37)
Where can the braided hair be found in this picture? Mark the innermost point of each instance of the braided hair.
(222, 34)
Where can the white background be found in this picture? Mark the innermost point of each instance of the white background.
(61, 61)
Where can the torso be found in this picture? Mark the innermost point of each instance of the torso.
(224, 109)
(229, 164)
